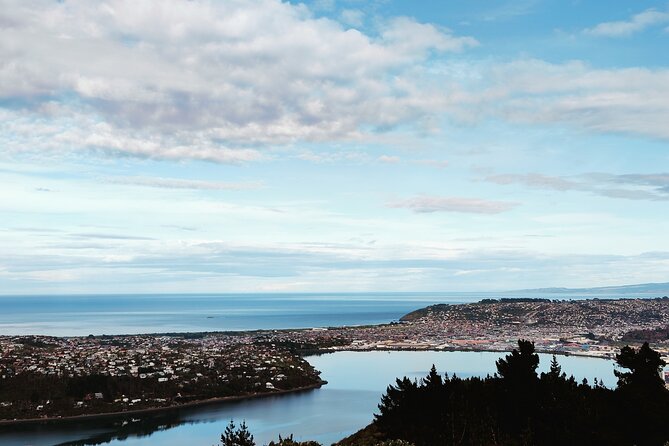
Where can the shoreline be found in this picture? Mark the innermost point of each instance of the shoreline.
(155, 410)
(210, 401)
(471, 350)
(467, 350)
(198, 403)
(197, 334)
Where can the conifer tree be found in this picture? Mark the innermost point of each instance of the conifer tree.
(433, 379)
(521, 365)
(644, 368)
(237, 436)
(243, 436)
(228, 436)
(555, 370)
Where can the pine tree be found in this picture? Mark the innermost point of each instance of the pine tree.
(555, 370)
(243, 436)
(237, 437)
(228, 436)
(433, 379)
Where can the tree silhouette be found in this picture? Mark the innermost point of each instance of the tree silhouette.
(556, 370)
(433, 379)
(288, 441)
(643, 399)
(237, 437)
(644, 367)
(519, 367)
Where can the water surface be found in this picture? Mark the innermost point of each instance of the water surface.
(82, 315)
(356, 381)
(131, 314)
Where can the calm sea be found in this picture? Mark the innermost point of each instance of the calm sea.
(356, 381)
(82, 315)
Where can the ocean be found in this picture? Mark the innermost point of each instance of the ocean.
(81, 315)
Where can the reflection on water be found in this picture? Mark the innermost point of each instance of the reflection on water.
(122, 430)
(356, 381)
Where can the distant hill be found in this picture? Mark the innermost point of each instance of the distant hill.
(658, 289)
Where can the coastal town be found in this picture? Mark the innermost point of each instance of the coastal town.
(45, 377)
(50, 377)
(596, 328)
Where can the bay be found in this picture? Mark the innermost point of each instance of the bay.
(356, 381)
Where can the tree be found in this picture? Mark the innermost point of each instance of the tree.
(515, 408)
(228, 436)
(555, 370)
(433, 379)
(288, 441)
(237, 437)
(644, 368)
(399, 395)
(519, 367)
(643, 399)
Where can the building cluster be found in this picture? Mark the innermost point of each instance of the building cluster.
(589, 327)
(142, 356)
(70, 376)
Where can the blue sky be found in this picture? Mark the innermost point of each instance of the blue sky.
(334, 145)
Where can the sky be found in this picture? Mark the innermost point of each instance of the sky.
(151, 146)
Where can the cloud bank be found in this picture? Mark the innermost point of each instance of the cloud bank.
(227, 82)
(177, 183)
(429, 204)
(205, 80)
(654, 187)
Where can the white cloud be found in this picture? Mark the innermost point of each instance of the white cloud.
(429, 204)
(52, 136)
(624, 100)
(536, 180)
(389, 159)
(653, 187)
(231, 82)
(636, 23)
(333, 157)
(179, 183)
(204, 80)
(217, 265)
(413, 37)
